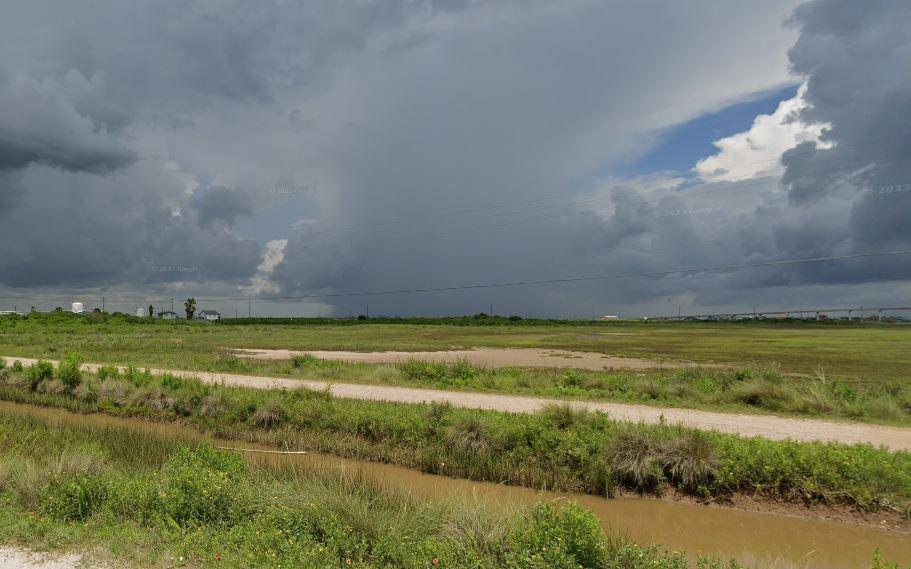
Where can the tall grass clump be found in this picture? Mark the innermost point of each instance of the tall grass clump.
(470, 436)
(565, 415)
(270, 413)
(690, 462)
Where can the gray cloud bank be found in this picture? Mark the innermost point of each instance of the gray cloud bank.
(160, 141)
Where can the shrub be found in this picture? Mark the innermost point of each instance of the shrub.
(75, 486)
(40, 371)
(418, 370)
(269, 414)
(566, 538)
(139, 378)
(69, 371)
(108, 372)
(572, 378)
(437, 413)
(74, 497)
(463, 370)
(202, 486)
(170, 381)
(17, 366)
(2, 363)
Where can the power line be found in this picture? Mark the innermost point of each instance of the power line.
(691, 270)
(576, 279)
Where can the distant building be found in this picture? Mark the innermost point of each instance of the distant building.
(167, 315)
(78, 308)
(140, 312)
(209, 315)
(610, 317)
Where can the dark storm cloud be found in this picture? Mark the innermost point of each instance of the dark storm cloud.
(141, 144)
(225, 204)
(486, 112)
(856, 58)
(65, 124)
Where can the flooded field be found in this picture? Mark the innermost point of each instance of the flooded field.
(757, 539)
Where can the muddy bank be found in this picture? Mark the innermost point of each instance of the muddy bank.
(484, 357)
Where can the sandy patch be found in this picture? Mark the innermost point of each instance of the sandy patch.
(484, 357)
(15, 557)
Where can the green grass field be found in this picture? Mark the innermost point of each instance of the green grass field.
(862, 352)
(858, 371)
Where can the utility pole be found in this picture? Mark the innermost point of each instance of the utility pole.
(368, 310)
(491, 309)
(102, 303)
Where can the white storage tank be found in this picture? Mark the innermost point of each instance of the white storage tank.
(78, 308)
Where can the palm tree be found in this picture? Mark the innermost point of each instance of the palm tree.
(190, 307)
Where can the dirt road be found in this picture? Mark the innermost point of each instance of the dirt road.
(775, 428)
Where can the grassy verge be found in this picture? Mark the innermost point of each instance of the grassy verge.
(751, 389)
(559, 448)
(148, 500)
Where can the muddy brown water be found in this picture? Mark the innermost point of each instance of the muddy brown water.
(757, 539)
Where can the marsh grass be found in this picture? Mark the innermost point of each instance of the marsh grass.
(198, 503)
(558, 448)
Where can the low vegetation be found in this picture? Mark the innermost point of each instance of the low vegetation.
(150, 500)
(559, 448)
(857, 372)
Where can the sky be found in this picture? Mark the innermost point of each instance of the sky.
(226, 150)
